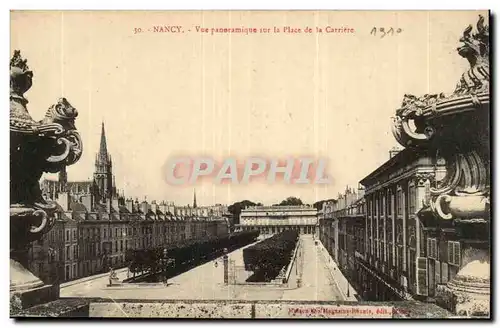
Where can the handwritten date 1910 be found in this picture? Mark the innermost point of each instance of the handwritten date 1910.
(382, 32)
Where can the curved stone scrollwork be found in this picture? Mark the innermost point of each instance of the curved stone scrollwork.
(463, 193)
(35, 147)
(473, 85)
(59, 122)
(411, 111)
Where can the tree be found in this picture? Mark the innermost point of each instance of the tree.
(291, 201)
(319, 204)
(236, 208)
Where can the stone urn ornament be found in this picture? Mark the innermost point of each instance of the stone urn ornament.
(454, 130)
(48, 145)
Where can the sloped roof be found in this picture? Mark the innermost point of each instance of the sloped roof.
(100, 208)
(63, 215)
(123, 209)
(79, 207)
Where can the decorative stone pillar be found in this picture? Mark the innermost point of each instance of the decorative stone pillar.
(456, 128)
(35, 147)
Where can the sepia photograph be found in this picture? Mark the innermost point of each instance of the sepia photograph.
(250, 164)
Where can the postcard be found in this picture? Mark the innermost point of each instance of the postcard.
(250, 164)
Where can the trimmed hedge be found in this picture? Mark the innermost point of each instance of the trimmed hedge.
(269, 256)
(186, 251)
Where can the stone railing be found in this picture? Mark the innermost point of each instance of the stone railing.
(233, 309)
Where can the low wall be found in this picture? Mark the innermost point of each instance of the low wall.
(89, 278)
(264, 310)
(340, 280)
(233, 309)
(293, 260)
(148, 285)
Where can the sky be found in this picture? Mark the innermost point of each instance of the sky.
(275, 95)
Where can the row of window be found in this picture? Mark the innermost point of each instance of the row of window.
(116, 246)
(88, 268)
(122, 232)
(381, 202)
(276, 229)
(453, 251)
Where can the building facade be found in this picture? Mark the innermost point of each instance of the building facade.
(396, 239)
(342, 232)
(96, 226)
(275, 219)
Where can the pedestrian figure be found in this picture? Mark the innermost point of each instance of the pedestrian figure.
(216, 264)
(112, 276)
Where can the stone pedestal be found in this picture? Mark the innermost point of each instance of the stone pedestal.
(27, 290)
(21, 278)
(468, 294)
(23, 299)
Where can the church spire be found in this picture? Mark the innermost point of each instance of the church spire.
(103, 149)
(194, 200)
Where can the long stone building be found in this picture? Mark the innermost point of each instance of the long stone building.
(95, 226)
(274, 219)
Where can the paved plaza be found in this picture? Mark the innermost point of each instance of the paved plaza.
(207, 282)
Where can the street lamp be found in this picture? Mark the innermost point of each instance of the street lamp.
(165, 262)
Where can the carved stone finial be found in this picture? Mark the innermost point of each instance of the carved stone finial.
(476, 49)
(475, 45)
(18, 62)
(20, 75)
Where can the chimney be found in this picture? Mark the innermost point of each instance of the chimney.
(361, 192)
(393, 152)
(87, 201)
(130, 205)
(115, 203)
(144, 207)
(163, 207)
(63, 201)
(154, 206)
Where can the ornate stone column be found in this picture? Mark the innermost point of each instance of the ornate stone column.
(456, 128)
(35, 147)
